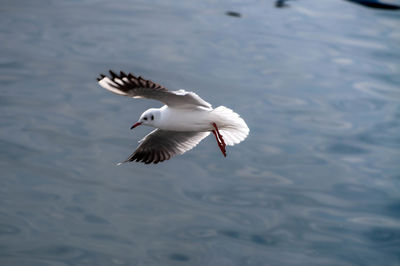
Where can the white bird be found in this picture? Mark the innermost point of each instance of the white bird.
(180, 124)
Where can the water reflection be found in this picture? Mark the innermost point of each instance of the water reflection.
(379, 91)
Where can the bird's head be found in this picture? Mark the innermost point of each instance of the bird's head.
(149, 118)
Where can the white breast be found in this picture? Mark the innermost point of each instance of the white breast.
(176, 119)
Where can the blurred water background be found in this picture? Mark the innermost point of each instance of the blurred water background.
(317, 182)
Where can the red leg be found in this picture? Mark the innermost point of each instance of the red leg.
(220, 139)
(220, 145)
(219, 135)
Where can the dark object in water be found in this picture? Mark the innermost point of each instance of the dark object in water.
(281, 3)
(375, 4)
(233, 14)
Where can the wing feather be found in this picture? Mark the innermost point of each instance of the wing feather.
(160, 145)
(138, 87)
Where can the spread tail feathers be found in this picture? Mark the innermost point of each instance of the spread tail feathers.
(231, 126)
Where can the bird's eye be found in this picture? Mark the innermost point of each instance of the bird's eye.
(152, 117)
(145, 118)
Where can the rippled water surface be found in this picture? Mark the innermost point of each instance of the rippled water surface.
(316, 182)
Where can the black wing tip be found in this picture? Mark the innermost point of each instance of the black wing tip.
(113, 75)
(144, 157)
(101, 77)
(130, 81)
(121, 75)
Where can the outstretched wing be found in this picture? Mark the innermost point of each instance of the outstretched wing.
(160, 145)
(138, 87)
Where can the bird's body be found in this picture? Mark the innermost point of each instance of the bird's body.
(180, 124)
(175, 120)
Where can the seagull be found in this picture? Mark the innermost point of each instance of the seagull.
(183, 121)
